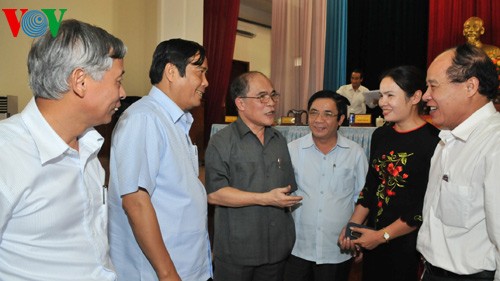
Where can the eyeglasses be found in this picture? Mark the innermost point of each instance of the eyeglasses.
(313, 114)
(264, 97)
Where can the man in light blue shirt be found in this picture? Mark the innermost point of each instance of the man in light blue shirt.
(158, 206)
(330, 171)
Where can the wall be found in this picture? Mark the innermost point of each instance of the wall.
(255, 50)
(14, 51)
(181, 19)
(135, 22)
(140, 24)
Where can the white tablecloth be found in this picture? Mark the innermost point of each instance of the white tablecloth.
(361, 135)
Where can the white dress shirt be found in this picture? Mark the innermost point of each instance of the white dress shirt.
(461, 215)
(330, 184)
(355, 97)
(52, 217)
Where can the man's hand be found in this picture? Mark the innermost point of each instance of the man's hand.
(280, 197)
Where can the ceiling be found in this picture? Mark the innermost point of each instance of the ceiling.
(256, 11)
(263, 5)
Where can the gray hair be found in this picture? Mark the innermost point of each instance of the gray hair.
(51, 60)
(240, 85)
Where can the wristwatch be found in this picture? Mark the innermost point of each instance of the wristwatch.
(386, 236)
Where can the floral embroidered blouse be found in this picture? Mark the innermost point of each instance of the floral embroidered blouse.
(398, 174)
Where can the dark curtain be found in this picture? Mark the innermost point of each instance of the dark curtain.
(220, 18)
(385, 33)
(446, 21)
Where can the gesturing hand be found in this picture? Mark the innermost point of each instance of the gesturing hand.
(280, 197)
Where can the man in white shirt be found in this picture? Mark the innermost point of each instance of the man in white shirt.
(53, 212)
(330, 171)
(354, 93)
(460, 234)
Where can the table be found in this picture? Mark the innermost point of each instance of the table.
(361, 135)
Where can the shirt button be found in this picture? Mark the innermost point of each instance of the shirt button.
(273, 223)
(320, 210)
(321, 192)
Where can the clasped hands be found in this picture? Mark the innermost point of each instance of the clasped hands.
(369, 239)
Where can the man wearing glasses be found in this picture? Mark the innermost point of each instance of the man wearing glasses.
(330, 171)
(249, 177)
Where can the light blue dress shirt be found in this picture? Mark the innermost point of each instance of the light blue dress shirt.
(330, 184)
(151, 148)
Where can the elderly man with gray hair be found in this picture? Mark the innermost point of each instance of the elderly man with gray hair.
(53, 213)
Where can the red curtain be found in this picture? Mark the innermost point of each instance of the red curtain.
(220, 18)
(446, 20)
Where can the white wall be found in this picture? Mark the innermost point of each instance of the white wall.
(255, 50)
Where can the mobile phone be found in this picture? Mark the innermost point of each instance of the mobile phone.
(353, 235)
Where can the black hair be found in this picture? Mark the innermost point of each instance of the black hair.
(471, 61)
(340, 101)
(358, 70)
(178, 52)
(239, 86)
(410, 79)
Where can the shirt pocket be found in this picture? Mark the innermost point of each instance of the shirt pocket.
(194, 159)
(281, 172)
(342, 182)
(454, 206)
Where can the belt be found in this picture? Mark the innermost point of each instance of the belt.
(439, 272)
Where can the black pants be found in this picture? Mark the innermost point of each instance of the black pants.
(433, 273)
(298, 269)
(233, 272)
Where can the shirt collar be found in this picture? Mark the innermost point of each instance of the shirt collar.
(171, 108)
(350, 88)
(49, 144)
(465, 129)
(308, 142)
(243, 130)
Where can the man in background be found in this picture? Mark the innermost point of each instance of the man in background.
(158, 206)
(330, 171)
(249, 177)
(354, 93)
(460, 234)
(53, 212)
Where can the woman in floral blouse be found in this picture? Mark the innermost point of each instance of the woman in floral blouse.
(391, 202)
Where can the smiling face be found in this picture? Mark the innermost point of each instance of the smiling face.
(447, 101)
(323, 120)
(189, 90)
(252, 111)
(395, 104)
(104, 96)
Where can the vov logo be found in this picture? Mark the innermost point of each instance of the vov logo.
(34, 23)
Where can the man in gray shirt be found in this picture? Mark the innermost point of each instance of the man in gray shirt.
(249, 176)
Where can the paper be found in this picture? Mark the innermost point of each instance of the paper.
(371, 98)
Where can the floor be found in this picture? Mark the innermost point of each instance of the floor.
(355, 274)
